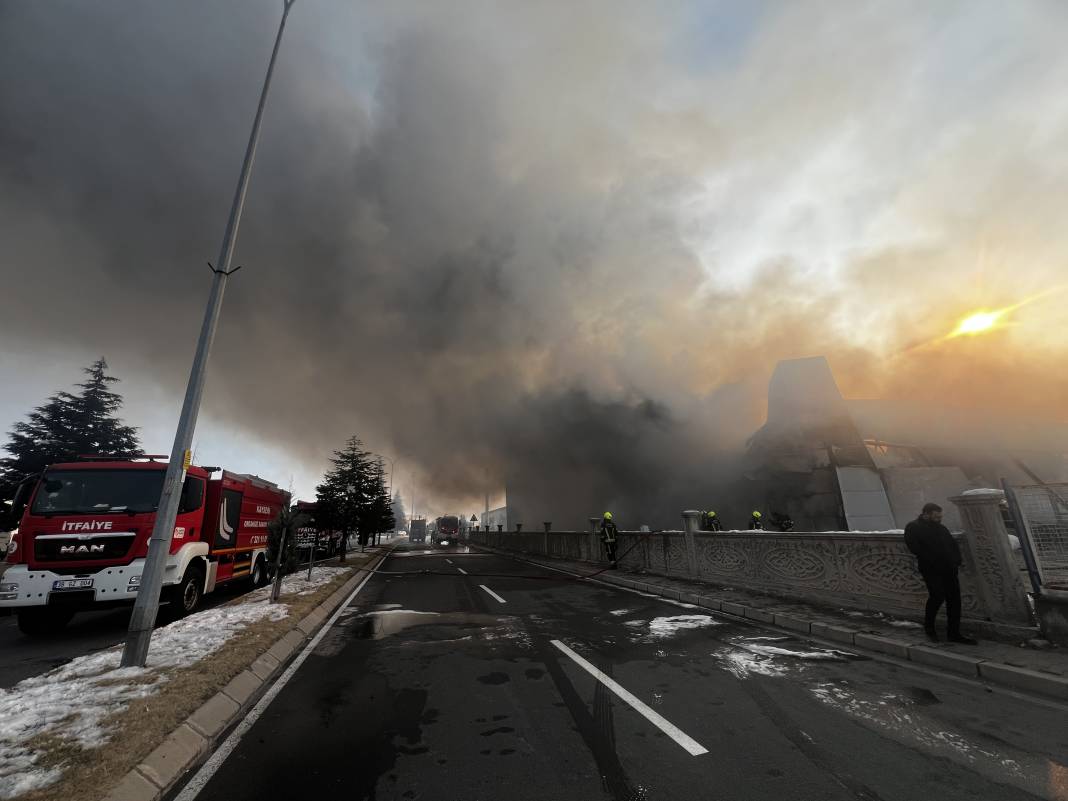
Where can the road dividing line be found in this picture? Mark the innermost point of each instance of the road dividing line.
(449, 561)
(462, 570)
(491, 592)
(690, 745)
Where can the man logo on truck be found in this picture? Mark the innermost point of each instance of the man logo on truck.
(75, 550)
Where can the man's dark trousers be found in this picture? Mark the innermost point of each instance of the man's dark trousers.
(942, 587)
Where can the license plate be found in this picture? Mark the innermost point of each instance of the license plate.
(72, 584)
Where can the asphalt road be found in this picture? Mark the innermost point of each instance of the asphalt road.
(471, 676)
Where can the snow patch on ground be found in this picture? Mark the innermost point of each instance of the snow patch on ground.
(299, 584)
(620, 612)
(774, 650)
(73, 701)
(18, 774)
(743, 663)
(663, 627)
(899, 717)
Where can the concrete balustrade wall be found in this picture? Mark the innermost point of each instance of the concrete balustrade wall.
(857, 570)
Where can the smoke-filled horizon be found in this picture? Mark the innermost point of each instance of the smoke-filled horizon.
(509, 241)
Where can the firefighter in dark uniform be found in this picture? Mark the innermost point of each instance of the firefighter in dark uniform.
(782, 522)
(710, 522)
(755, 522)
(608, 537)
(938, 558)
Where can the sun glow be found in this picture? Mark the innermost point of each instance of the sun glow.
(979, 322)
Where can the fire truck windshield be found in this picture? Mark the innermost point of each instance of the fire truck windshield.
(98, 491)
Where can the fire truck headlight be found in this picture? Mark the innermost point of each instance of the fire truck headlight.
(9, 591)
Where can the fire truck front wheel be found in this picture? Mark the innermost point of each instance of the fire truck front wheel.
(42, 620)
(186, 597)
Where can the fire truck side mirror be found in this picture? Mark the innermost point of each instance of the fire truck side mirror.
(22, 497)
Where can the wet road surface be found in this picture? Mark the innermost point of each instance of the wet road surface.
(475, 676)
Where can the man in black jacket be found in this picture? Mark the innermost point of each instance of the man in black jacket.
(938, 557)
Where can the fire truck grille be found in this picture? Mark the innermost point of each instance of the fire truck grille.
(78, 549)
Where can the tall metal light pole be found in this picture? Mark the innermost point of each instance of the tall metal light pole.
(147, 604)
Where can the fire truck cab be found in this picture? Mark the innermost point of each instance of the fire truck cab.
(84, 530)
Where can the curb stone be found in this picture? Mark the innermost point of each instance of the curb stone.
(133, 787)
(833, 632)
(214, 715)
(173, 756)
(1038, 682)
(197, 736)
(936, 657)
(1025, 679)
(753, 613)
(884, 645)
(242, 686)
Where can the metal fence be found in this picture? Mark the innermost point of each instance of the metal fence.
(1044, 508)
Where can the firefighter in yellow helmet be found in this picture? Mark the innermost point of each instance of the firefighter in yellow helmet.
(709, 522)
(755, 522)
(608, 537)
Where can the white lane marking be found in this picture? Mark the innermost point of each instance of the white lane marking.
(690, 745)
(449, 561)
(196, 784)
(491, 592)
(462, 570)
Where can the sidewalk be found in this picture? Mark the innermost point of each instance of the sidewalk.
(1021, 665)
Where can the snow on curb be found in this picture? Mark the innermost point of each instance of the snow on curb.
(72, 701)
(298, 583)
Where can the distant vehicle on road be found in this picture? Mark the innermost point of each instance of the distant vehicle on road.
(327, 543)
(84, 530)
(417, 530)
(447, 529)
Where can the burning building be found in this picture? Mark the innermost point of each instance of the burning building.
(869, 465)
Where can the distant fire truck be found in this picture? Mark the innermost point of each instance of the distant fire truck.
(446, 529)
(326, 543)
(84, 529)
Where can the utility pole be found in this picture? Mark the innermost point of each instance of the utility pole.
(146, 606)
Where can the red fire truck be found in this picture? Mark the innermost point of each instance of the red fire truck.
(327, 543)
(84, 529)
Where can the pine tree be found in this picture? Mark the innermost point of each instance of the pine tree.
(344, 497)
(94, 428)
(64, 427)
